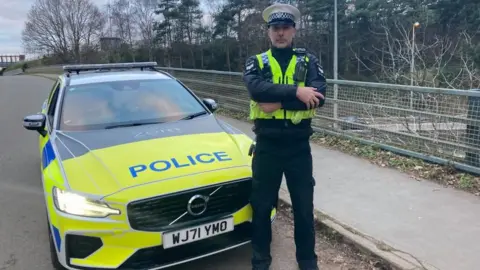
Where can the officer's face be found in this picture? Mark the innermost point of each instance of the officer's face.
(281, 36)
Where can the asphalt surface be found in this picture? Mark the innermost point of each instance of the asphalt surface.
(23, 231)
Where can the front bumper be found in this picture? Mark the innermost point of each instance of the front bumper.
(116, 251)
(111, 243)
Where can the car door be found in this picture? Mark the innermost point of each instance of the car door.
(48, 109)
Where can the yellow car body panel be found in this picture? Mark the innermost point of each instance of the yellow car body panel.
(86, 175)
(133, 166)
(171, 157)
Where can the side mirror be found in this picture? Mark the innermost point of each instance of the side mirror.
(35, 122)
(211, 104)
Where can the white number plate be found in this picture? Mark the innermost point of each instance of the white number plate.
(192, 234)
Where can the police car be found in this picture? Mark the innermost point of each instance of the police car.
(137, 171)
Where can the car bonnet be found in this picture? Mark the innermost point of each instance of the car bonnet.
(103, 162)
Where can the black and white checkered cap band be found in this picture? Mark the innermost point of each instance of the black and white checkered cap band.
(281, 16)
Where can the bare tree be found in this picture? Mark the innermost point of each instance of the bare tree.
(44, 30)
(468, 76)
(123, 23)
(439, 61)
(61, 27)
(145, 17)
(82, 18)
(434, 58)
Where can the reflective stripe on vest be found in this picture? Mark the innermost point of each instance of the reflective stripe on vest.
(266, 59)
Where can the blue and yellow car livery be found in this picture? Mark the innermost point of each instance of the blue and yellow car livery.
(143, 197)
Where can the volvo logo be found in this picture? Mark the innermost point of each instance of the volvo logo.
(197, 205)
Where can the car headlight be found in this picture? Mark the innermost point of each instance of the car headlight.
(75, 204)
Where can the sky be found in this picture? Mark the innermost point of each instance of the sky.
(12, 17)
(13, 14)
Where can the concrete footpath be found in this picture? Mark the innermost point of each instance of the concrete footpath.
(414, 224)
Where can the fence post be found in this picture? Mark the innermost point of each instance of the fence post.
(472, 135)
(335, 106)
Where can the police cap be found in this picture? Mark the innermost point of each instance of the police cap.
(281, 14)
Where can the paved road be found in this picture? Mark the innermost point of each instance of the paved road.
(23, 234)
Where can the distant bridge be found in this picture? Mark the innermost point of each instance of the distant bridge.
(7, 60)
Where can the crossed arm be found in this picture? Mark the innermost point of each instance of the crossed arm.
(278, 95)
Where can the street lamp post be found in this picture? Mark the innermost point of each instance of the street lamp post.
(412, 62)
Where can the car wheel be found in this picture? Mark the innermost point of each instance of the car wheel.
(53, 251)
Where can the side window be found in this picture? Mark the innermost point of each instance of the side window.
(52, 104)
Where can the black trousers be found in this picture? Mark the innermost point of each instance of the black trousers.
(272, 159)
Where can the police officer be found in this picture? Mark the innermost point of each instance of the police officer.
(286, 85)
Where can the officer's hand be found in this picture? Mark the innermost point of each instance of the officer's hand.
(315, 102)
(309, 96)
(270, 107)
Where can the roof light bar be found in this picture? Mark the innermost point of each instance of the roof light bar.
(85, 67)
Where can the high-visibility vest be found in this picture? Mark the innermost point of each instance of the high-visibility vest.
(266, 60)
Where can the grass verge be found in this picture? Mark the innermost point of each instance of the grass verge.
(334, 251)
(30, 64)
(418, 169)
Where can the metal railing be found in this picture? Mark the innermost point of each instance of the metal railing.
(443, 126)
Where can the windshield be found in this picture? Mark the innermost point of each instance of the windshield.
(122, 103)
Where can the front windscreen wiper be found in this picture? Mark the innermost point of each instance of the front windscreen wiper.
(133, 124)
(193, 115)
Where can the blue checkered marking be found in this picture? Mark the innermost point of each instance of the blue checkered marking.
(300, 58)
(283, 16)
(57, 238)
(47, 154)
(265, 59)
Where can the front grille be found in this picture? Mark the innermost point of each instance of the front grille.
(157, 256)
(155, 214)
